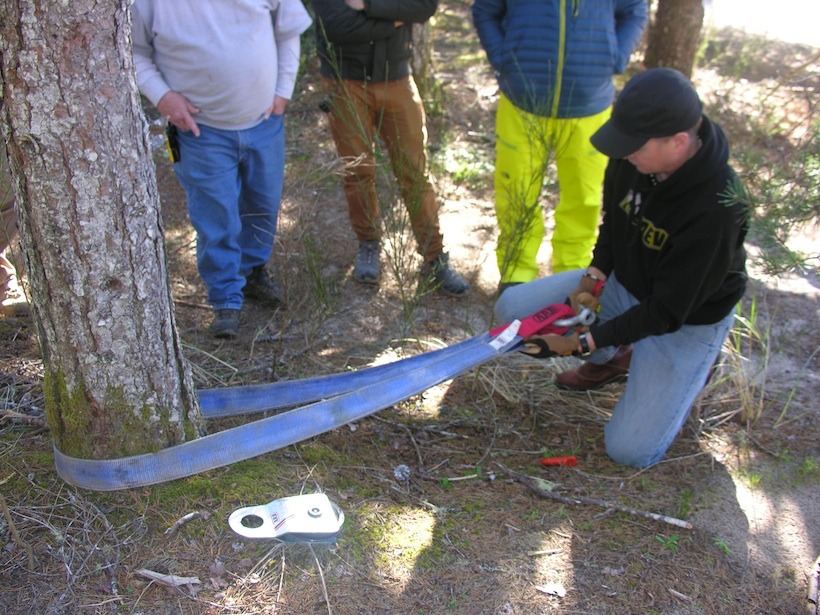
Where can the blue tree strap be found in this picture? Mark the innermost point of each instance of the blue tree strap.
(268, 434)
(342, 403)
(231, 401)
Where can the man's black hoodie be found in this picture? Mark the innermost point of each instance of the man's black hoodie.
(675, 245)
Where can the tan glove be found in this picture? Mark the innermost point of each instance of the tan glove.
(586, 300)
(551, 345)
(584, 296)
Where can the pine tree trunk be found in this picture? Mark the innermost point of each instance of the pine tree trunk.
(115, 380)
(674, 36)
(422, 61)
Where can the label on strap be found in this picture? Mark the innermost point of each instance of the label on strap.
(541, 323)
(506, 336)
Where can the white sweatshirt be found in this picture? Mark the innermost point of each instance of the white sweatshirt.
(229, 58)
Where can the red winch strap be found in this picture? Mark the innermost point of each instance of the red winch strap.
(541, 322)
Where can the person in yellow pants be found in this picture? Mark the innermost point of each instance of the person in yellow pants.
(554, 62)
(525, 145)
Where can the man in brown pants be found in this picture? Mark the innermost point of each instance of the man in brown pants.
(365, 50)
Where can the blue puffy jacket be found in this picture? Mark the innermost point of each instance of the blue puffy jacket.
(556, 58)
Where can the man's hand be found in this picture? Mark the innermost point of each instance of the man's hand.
(551, 345)
(584, 294)
(356, 5)
(179, 111)
(278, 106)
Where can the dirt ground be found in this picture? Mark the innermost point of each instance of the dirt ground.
(463, 533)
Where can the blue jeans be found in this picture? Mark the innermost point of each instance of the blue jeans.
(233, 184)
(666, 374)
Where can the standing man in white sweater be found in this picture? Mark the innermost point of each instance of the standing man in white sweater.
(222, 72)
(12, 300)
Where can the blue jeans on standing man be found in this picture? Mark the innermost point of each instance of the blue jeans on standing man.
(233, 184)
(666, 374)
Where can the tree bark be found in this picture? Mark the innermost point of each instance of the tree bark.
(115, 379)
(674, 36)
(422, 61)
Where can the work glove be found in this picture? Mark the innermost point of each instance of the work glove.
(583, 295)
(550, 345)
(585, 300)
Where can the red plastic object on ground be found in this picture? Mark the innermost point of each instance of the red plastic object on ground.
(570, 461)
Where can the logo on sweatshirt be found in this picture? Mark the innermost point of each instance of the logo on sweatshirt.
(652, 237)
(631, 202)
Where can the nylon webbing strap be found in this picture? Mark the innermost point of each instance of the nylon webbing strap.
(344, 398)
(230, 401)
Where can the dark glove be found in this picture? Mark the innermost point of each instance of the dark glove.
(546, 346)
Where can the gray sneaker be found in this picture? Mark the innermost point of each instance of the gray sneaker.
(367, 269)
(443, 277)
(259, 286)
(225, 324)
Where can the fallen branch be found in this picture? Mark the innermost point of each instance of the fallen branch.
(13, 529)
(532, 484)
(171, 580)
(185, 519)
(16, 417)
(679, 595)
(544, 552)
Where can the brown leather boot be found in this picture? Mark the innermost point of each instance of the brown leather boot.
(592, 376)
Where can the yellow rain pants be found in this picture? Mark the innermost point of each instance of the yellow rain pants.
(525, 144)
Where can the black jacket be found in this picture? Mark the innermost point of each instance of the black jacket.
(367, 45)
(677, 246)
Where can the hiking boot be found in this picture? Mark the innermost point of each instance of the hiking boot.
(591, 376)
(12, 300)
(367, 269)
(15, 307)
(225, 324)
(443, 277)
(259, 286)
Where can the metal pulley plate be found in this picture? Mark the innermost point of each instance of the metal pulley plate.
(301, 518)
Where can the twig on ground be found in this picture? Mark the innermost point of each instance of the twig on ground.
(409, 434)
(814, 583)
(436, 467)
(679, 595)
(13, 529)
(171, 580)
(186, 518)
(554, 589)
(16, 417)
(281, 585)
(544, 552)
(490, 446)
(322, 578)
(453, 479)
(193, 304)
(531, 484)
